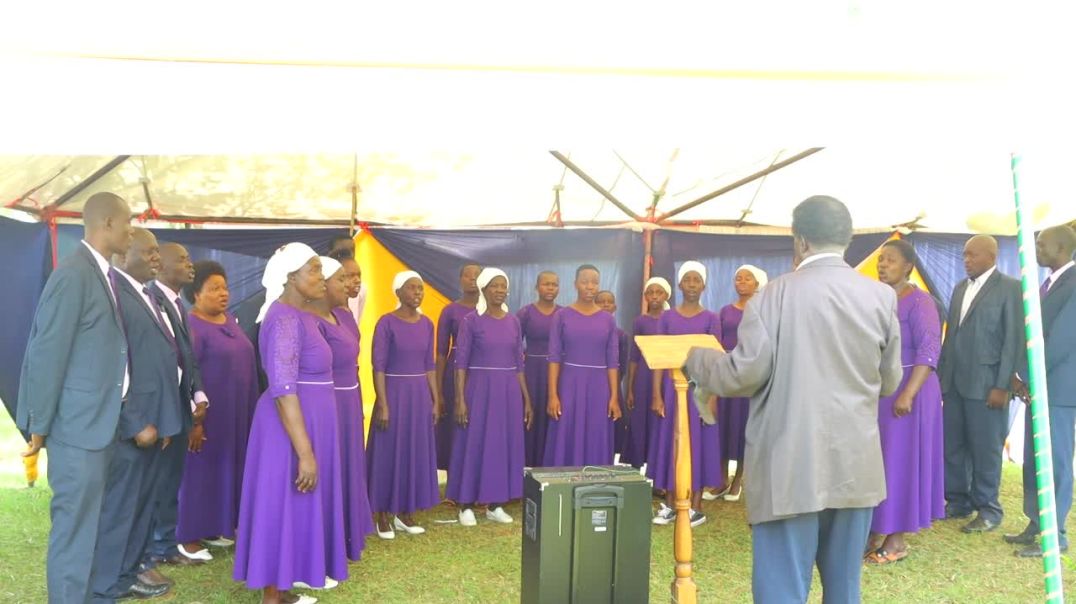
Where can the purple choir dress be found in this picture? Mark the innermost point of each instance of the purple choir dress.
(912, 448)
(343, 338)
(622, 425)
(286, 536)
(402, 459)
(535, 326)
(213, 477)
(448, 327)
(731, 412)
(585, 346)
(706, 468)
(487, 454)
(639, 431)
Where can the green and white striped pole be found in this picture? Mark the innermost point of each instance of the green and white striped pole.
(1040, 416)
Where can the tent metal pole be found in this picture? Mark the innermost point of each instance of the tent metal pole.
(593, 183)
(740, 183)
(92, 178)
(354, 194)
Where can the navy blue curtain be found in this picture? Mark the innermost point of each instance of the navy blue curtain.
(27, 263)
(522, 254)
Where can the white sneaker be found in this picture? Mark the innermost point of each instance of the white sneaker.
(697, 518)
(329, 584)
(410, 530)
(467, 517)
(665, 515)
(202, 554)
(219, 542)
(498, 514)
(305, 599)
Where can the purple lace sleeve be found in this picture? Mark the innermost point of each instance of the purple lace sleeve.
(382, 343)
(926, 331)
(284, 333)
(430, 359)
(556, 346)
(464, 337)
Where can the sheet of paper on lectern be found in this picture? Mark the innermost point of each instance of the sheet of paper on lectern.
(670, 352)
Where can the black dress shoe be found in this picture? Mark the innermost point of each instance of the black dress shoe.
(979, 525)
(1025, 537)
(951, 514)
(153, 576)
(177, 559)
(142, 591)
(1034, 551)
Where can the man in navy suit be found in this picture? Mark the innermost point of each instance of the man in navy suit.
(74, 379)
(1054, 249)
(177, 272)
(983, 349)
(151, 418)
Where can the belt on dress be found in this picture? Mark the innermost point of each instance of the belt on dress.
(315, 383)
(496, 368)
(539, 356)
(586, 366)
(347, 387)
(405, 375)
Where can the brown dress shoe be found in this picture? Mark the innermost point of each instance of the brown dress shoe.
(154, 577)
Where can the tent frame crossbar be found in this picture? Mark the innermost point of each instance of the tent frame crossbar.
(594, 184)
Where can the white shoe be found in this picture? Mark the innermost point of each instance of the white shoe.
(697, 518)
(665, 515)
(730, 497)
(410, 530)
(467, 517)
(498, 514)
(329, 584)
(389, 534)
(202, 554)
(305, 599)
(710, 496)
(219, 542)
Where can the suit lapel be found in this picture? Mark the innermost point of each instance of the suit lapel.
(983, 291)
(126, 286)
(169, 309)
(94, 268)
(1061, 282)
(957, 304)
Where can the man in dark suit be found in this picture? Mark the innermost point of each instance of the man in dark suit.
(177, 272)
(1054, 249)
(151, 417)
(73, 381)
(983, 348)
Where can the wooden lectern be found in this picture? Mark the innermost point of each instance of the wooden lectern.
(670, 352)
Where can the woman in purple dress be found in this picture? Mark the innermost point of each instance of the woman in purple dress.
(448, 326)
(535, 321)
(909, 422)
(339, 329)
(291, 512)
(688, 318)
(732, 412)
(606, 300)
(493, 408)
(640, 378)
(217, 446)
(583, 357)
(401, 455)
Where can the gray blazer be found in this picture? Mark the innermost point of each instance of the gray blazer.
(986, 349)
(817, 348)
(1059, 331)
(71, 385)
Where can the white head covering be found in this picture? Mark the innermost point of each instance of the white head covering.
(329, 266)
(287, 259)
(660, 281)
(689, 266)
(484, 278)
(759, 274)
(400, 279)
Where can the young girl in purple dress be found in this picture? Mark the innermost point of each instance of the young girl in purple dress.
(606, 300)
(448, 326)
(640, 378)
(535, 320)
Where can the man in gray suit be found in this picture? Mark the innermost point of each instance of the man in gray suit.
(1054, 249)
(74, 378)
(818, 347)
(984, 344)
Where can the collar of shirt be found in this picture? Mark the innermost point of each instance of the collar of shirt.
(172, 296)
(102, 262)
(138, 287)
(981, 279)
(810, 259)
(1054, 276)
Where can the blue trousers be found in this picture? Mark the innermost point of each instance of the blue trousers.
(1062, 435)
(786, 551)
(974, 440)
(166, 501)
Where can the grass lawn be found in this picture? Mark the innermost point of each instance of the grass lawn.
(453, 564)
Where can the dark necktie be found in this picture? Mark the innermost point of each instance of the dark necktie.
(164, 326)
(1045, 287)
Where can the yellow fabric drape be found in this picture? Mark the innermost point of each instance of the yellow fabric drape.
(379, 266)
(869, 266)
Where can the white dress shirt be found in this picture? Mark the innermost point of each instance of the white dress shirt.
(154, 311)
(1054, 276)
(813, 257)
(173, 297)
(102, 264)
(974, 286)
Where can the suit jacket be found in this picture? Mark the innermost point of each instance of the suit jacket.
(154, 395)
(817, 348)
(986, 349)
(192, 375)
(71, 385)
(1059, 331)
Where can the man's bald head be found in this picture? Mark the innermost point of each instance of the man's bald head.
(106, 219)
(143, 259)
(177, 270)
(1055, 246)
(980, 255)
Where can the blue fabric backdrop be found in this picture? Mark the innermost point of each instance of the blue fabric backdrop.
(27, 263)
(941, 260)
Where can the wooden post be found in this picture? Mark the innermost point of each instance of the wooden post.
(684, 590)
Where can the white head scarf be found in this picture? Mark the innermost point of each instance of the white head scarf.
(287, 259)
(689, 266)
(400, 279)
(484, 278)
(759, 274)
(661, 282)
(329, 266)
